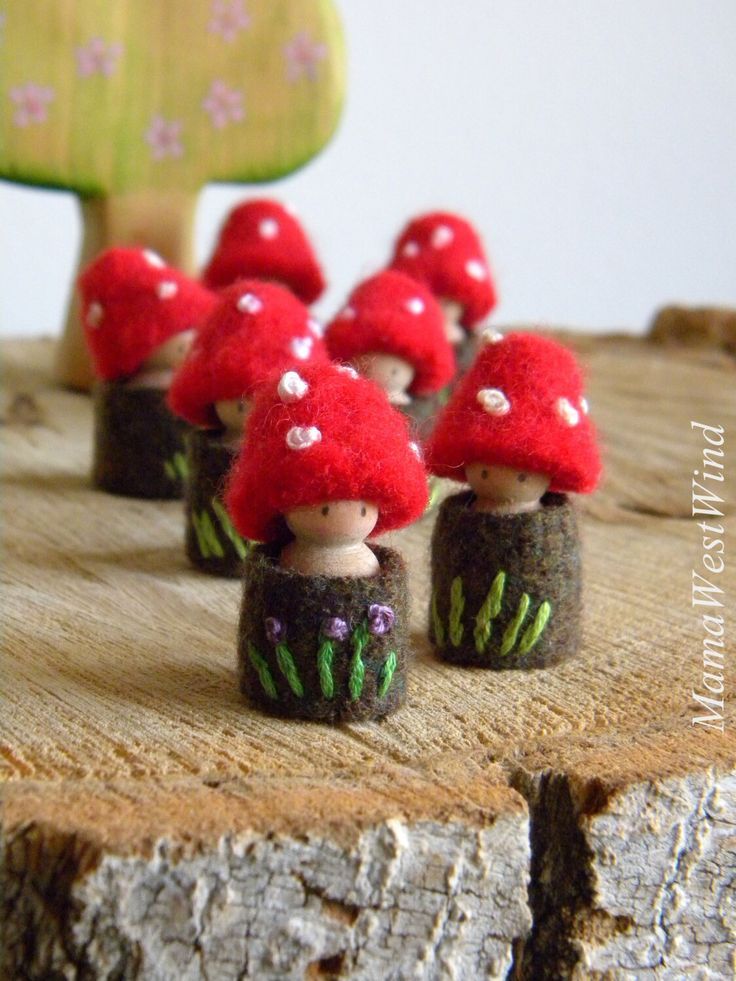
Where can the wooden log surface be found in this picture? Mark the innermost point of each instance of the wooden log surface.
(569, 822)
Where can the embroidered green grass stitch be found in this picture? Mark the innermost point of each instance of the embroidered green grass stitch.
(511, 632)
(210, 535)
(533, 632)
(264, 673)
(387, 673)
(288, 669)
(202, 543)
(439, 629)
(457, 605)
(488, 612)
(325, 657)
(170, 470)
(434, 487)
(357, 666)
(238, 543)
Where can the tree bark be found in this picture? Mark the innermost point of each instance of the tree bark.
(160, 220)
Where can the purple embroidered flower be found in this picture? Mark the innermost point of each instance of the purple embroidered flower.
(275, 630)
(380, 619)
(335, 629)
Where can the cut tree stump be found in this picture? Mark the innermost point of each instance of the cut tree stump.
(568, 822)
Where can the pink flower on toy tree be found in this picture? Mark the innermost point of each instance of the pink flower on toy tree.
(303, 56)
(97, 57)
(164, 138)
(228, 18)
(31, 102)
(223, 105)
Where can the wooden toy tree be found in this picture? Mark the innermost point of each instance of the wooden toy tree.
(135, 106)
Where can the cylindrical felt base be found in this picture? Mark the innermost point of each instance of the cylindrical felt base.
(506, 589)
(138, 443)
(306, 674)
(212, 543)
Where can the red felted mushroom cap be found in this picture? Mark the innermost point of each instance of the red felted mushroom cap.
(256, 330)
(444, 252)
(324, 434)
(262, 240)
(131, 303)
(392, 314)
(520, 405)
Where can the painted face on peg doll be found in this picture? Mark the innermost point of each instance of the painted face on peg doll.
(393, 374)
(392, 331)
(505, 490)
(331, 536)
(232, 413)
(158, 369)
(453, 312)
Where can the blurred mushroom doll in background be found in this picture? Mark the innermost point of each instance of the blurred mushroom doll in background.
(256, 330)
(139, 317)
(262, 239)
(506, 575)
(391, 330)
(326, 463)
(445, 253)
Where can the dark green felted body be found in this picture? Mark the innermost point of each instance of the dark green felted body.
(212, 543)
(473, 623)
(138, 443)
(303, 603)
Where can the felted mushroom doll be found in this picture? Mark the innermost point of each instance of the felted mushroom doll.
(391, 330)
(445, 253)
(506, 575)
(139, 317)
(326, 463)
(262, 239)
(256, 330)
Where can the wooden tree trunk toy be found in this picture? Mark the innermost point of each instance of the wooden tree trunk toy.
(139, 320)
(445, 253)
(391, 330)
(263, 239)
(136, 106)
(323, 627)
(695, 326)
(506, 575)
(256, 330)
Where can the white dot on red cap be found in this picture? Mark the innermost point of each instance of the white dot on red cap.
(316, 327)
(567, 412)
(584, 405)
(442, 236)
(348, 313)
(292, 387)
(415, 305)
(414, 447)
(345, 369)
(153, 259)
(490, 336)
(475, 269)
(410, 249)
(249, 303)
(166, 289)
(302, 437)
(301, 347)
(493, 401)
(268, 228)
(95, 313)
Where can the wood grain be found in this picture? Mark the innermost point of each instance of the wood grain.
(133, 770)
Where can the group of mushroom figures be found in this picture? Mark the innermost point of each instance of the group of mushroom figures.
(295, 444)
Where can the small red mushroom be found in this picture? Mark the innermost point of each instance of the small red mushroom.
(326, 453)
(517, 424)
(256, 330)
(444, 252)
(139, 315)
(261, 239)
(392, 331)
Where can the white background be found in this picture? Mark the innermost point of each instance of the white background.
(592, 141)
